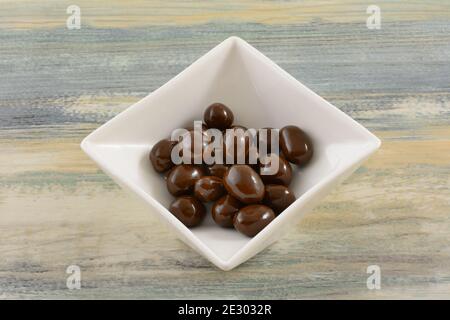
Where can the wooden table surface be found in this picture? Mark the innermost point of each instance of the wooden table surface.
(58, 209)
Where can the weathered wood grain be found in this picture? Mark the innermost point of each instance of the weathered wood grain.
(58, 209)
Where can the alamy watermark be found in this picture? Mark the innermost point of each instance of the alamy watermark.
(73, 281)
(74, 20)
(234, 146)
(374, 20)
(374, 280)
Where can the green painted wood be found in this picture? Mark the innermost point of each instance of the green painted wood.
(57, 209)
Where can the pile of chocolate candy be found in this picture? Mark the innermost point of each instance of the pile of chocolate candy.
(246, 196)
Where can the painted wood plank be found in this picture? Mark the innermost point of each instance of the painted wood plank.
(58, 209)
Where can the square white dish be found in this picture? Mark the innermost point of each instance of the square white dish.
(260, 94)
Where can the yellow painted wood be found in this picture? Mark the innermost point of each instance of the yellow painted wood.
(137, 13)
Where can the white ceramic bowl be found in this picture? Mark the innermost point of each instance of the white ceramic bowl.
(260, 94)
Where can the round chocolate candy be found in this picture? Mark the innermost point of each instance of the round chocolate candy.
(250, 220)
(209, 188)
(268, 165)
(243, 183)
(189, 210)
(217, 170)
(296, 145)
(218, 116)
(224, 210)
(160, 155)
(278, 197)
(182, 179)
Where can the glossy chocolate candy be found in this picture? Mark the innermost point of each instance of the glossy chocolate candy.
(278, 197)
(189, 210)
(160, 155)
(256, 192)
(217, 170)
(250, 220)
(296, 145)
(282, 176)
(224, 210)
(209, 188)
(218, 116)
(182, 178)
(243, 183)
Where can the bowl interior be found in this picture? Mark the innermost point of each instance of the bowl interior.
(260, 95)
